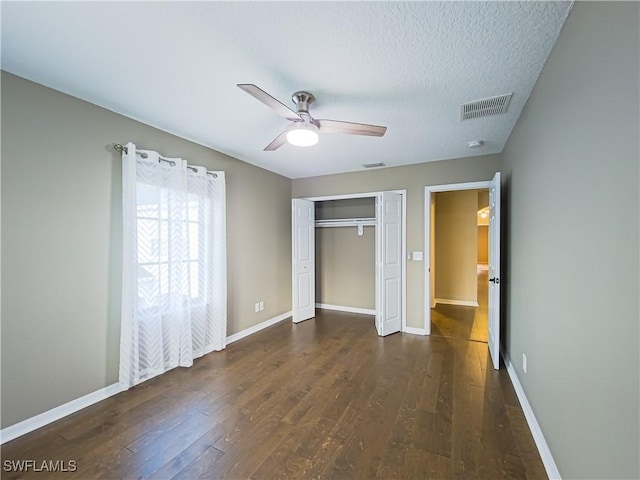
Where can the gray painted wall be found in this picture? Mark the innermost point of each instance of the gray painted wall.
(572, 207)
(61, 243)
(413, 178)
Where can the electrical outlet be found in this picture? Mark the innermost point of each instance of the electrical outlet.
(524, 363)
(261, 306)
(257, 307)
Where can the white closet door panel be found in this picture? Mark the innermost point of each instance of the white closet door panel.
(303, 265)
(389, 294)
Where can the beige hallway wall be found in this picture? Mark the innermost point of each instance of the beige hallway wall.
(483, 244)
(456, 246)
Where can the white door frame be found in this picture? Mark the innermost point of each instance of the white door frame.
(429, 190)
(404, 238)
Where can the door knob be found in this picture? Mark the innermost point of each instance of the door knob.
(495, 280)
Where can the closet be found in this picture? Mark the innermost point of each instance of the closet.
(345, 254)
(346, 248)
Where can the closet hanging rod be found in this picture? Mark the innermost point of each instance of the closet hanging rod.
(346, 222)
(119, 148)
(359, 223)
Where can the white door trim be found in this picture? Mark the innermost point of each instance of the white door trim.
(428, 191)
(404, 239)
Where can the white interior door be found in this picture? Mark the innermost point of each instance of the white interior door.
(389, 258)
(494, 271)
(303, 264)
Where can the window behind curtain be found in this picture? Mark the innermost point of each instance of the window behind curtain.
(174, 271)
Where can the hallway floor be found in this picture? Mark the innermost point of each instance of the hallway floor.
(468, 323)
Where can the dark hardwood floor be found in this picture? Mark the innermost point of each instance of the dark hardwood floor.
(326, 398)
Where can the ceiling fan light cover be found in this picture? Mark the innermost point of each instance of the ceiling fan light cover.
(303, 135)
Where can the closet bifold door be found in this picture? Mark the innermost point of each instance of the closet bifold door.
(389, 264)
(303, 261)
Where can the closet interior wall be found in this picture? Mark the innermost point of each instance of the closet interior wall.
(345, 261)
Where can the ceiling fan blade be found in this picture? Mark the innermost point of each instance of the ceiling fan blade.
(279, 107)
(277, 142)
(351, 128)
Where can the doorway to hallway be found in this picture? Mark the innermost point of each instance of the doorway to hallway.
(431, 266)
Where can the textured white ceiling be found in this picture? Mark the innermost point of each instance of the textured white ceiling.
(406, 65)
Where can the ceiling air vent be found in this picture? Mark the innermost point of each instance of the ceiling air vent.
(373, 165)
(485, 107)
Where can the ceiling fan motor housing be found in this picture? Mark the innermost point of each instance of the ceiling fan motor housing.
(302, 101)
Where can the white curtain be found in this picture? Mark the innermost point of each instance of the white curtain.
(174, 288)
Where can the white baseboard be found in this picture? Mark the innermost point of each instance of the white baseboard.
(462, 303)
(339, 308)
(415, 330)
(545, 453)
(50, 416)
(256, 328)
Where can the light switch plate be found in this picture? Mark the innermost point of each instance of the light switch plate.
(417, 256)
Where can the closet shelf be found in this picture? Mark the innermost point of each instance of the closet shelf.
(346, 222)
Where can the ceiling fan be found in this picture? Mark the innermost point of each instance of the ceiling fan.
(304, 129)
